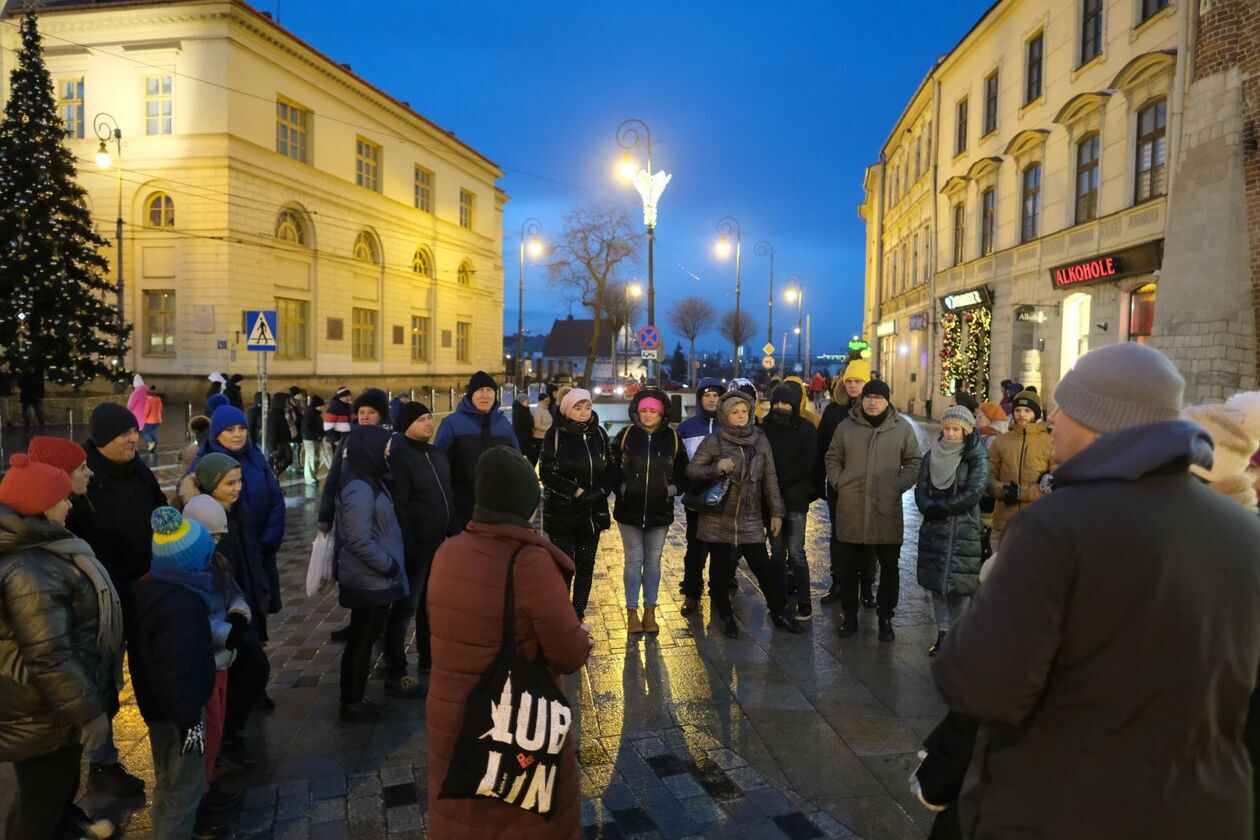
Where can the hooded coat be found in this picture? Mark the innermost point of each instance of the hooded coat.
(463, 436)
(572, 456)
(870, 467)
(701, 424)
(465, 598)
(949, 538)
(649, 464)
(1112, 652)
(804, 408)
(1023, 456)
(138, 401)
(794, 442)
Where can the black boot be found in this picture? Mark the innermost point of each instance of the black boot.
(940, 636)
(833, 595)
(360, 711)
(787, 622)
(868, 599)
(848, 627)
(886, 633)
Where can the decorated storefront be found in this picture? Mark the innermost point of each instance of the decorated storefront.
(966, 341)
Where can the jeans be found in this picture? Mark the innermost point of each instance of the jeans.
(698, 552)
(406, 610)
(180, 782)
(789, 545)
(366, 624)
(643, 562)
(856, 556)
(107, 753)
(770, 576)
(46, 787)
(150, 432)
(582, 549)
(948, 609)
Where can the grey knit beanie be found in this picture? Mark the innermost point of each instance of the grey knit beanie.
(1121, 386)
(960, 414)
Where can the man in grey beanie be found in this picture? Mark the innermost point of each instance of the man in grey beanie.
(1112, 652)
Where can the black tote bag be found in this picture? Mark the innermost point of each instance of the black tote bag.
(515, 724)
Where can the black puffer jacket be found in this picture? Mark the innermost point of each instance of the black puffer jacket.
(794, 441)
(313, 420)
(949, 538)
(171, 652)
(52, 672)
(572, 456)
(421, 487)
(648, 465)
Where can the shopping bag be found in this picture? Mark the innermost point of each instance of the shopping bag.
(320, 569)
(710, 498)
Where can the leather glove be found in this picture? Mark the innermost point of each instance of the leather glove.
(725, 466)
(776, 525)
(95, 733)
(237, 634)
(192, 738)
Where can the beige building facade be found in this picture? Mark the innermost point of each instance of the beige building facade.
(257, 173)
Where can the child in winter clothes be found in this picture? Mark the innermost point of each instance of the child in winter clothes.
(171, 653)
(152, 417)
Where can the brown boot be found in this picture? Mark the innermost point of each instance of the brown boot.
(633, 625)
(690, 605)
(649, 620)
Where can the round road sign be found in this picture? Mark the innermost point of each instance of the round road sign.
(648, 337)
(767, 362)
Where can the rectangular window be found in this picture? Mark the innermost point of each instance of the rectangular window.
(960, 136)
(424, 190)
(1142, 313)
(914, 261)
(419, 339)
(990, 103)
(1151, 151)
(1032, 74)
(1087, 179)
(1030, 214)
(988, 216)
(157, 105)
(292, 316)
(463, 339)
(466, 201)
(1150, 7)
(367, 164)
(1091, 29)
(70, 106)
(292, 127)
(159, 322)
(960, 231)
(363, 335)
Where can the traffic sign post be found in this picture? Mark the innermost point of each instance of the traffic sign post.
(261, 338)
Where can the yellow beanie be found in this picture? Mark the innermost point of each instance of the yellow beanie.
(858, 369)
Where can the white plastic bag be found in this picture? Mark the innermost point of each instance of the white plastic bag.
(320, 569)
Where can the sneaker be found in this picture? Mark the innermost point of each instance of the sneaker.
(804, 611)
(342, 635)
(114, 781)
(886, 633)
(787, 622)
(360, 711)
(408, 687)
(940, 637)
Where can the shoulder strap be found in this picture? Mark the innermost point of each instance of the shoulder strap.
(509, 606)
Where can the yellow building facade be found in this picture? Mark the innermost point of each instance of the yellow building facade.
(257, 173)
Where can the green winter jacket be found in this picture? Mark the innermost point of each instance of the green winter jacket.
(870, 467)
(949, 538)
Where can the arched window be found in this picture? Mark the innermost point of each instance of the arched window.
(365, 248)
(465, 275)
(422, 263)
(289, 227)
(159, 211)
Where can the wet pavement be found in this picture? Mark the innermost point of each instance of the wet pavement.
(686, 734)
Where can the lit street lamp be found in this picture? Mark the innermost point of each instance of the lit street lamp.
(764, 249)
(532, 228)
(650, 185)
(796, 294)
(725, 227)
(107, 129)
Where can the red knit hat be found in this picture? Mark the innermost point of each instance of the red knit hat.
(56, 452)
(31, 488)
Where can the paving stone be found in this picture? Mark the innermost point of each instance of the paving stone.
(328, 810)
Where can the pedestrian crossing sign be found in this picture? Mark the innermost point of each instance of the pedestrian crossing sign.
(262, 329)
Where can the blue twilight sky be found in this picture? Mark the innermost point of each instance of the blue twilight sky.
(765, 110)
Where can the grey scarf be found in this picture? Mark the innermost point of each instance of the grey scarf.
(944, 460)
(109, 622)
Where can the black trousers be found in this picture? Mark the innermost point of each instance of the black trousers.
(582, 549)
(36, 408)
(853, 558)
(46, 787)
(698, 551)
(403, 611)
(366, 624)
(770, 576)
(247, 680)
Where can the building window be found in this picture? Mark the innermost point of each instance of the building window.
(365, 248)
(1151, 151)
(960, 231)
(419, 339)
(289, 228)
(466, 200)
(918, 157)
(1142, 313)
(960, 136)
(1087, 179)
(363, 335)
(157, 105)
(424, 190)
(292, 317)
(463, 337)
(292, 125)
(1032, 83)
(988, 215)
(914, 261)
(1150, 7)
(1091, 29)
(990, 103)
(465, 274)
(422, 263)
(159, 321)
(367, 164)
(1030, 213)
(159, 211)
(70, 106)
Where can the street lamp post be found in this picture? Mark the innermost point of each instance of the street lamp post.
(725, 227)
(796, 293)
(532, 228)
(650, 185)
(107, 129)
(764, 249)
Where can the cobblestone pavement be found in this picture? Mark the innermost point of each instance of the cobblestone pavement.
(688, 734)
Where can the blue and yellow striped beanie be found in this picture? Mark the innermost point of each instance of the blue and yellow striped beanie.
(178, 543)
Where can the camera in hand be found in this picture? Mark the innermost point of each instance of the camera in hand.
(1011, 494)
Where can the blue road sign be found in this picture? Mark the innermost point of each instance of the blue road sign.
(262, 329)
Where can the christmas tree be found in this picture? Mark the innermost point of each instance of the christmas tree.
(60, 315)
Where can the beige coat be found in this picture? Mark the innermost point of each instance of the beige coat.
(1022, 456)
(871, 467)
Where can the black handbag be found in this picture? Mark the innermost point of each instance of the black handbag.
(710, 498)
(515, 724)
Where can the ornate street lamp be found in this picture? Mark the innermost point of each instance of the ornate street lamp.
(107, 129)
(531, 228)
(726, 226)
(765, 249)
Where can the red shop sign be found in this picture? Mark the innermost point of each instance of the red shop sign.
(1140, 260)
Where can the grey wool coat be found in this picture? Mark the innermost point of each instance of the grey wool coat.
(870, 467)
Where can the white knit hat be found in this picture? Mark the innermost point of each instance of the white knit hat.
(1235, 431)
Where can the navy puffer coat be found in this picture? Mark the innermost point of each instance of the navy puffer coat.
(949, 538)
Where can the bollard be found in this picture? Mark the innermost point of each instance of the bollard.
(452, 400)
(188, 421)
(432, 399)
(70, 421)
(412, 394)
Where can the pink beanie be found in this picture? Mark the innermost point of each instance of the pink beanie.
(572, 398)
(652, 403)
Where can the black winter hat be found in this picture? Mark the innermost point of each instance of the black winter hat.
(784, 394)
(373, 398)
(479, 380)
(236, 378)
(316, 401)
(878, 387)
(505, 488)
(410, 413)
(1029, 400)
(108, 421)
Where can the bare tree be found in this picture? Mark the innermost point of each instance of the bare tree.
(597, 245)
(622, 309)
(737, 330)
(691, 318)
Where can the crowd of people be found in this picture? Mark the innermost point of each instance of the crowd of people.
(1084, 647)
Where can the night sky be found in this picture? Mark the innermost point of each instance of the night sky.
(767, 111)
